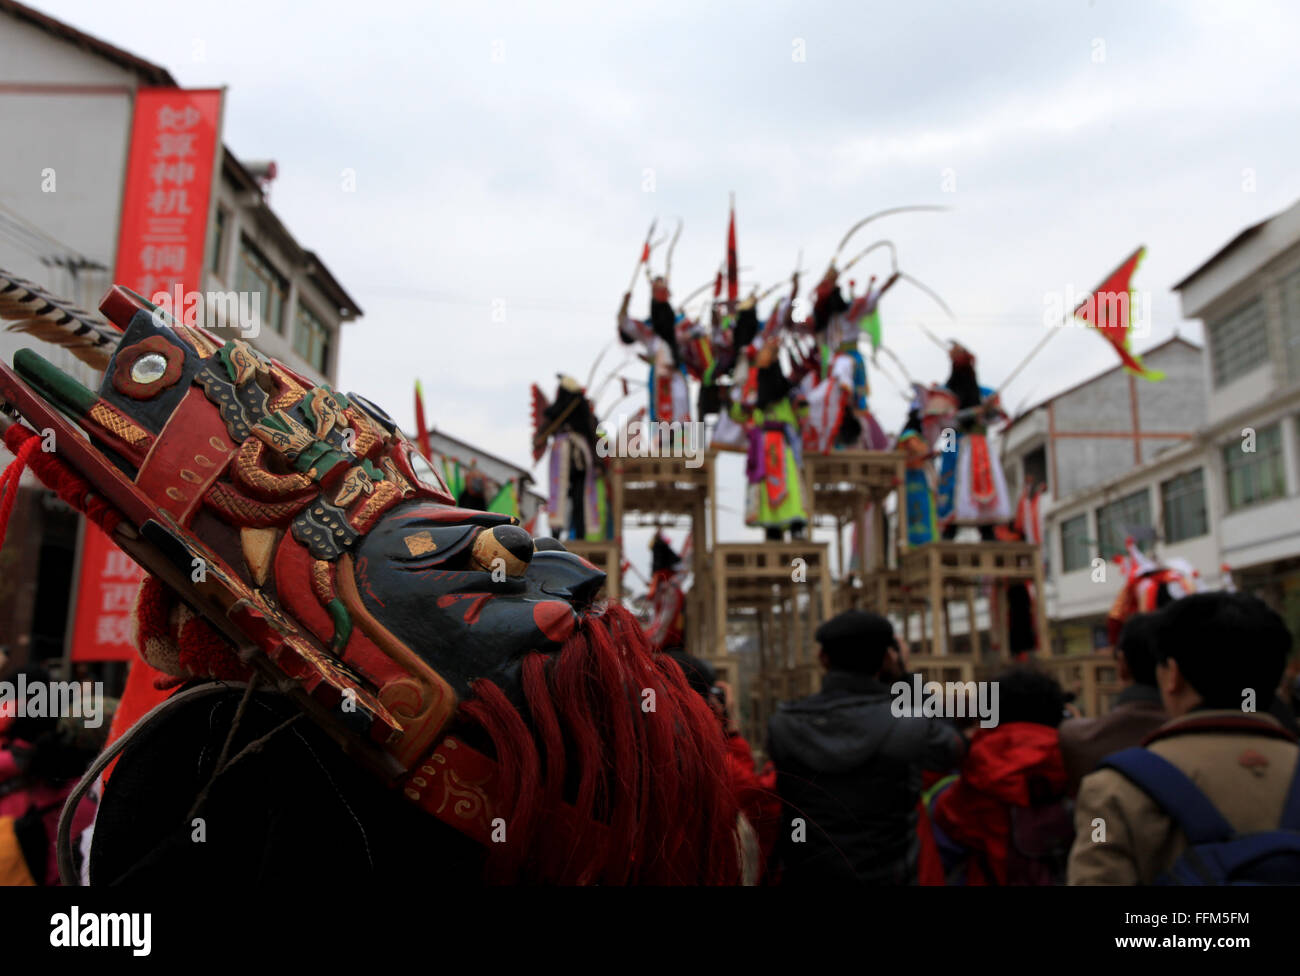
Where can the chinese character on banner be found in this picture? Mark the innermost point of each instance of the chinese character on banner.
(165, 204)
(104, 626)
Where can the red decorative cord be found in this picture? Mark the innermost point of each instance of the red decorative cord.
(70, 487)
(9, 484)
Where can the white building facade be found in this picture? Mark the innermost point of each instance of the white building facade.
(1210, 469)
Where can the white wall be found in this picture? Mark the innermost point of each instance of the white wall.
(83, 138)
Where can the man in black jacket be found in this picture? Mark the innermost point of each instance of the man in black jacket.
(848, 769)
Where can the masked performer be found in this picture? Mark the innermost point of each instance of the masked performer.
(365, 696)
(918, 495)
(972, 489)
(667, 627)
(774, 465)
(668, 394)
(733, 370)
(1148, 586)
(838, 408)
(578, 507)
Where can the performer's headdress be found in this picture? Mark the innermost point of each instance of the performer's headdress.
(289, 537)
(959, 354)
(663, 558)
(1148, 586)
(961, 379)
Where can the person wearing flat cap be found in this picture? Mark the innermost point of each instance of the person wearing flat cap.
(848, 769)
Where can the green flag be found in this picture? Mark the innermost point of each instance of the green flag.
(505, 502)
(455, 476)
(870, 324)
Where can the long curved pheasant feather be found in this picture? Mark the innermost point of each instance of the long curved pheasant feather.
(30, 308)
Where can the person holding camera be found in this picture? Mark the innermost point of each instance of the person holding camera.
(848, 768)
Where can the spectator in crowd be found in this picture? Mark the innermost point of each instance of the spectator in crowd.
(755, 792)
(41, 759)
(1138, 710)
(1006, 820)
(1219, 658)
(848, 769)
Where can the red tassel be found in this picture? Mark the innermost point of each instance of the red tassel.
(9, 484)
(70, 487)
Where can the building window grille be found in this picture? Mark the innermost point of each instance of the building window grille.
(1290, 288)
(1238, 342)
(1255, 476)
(1183, 505)
(256, 275)
(1124, 517)
(311, 338)
(1076, 553)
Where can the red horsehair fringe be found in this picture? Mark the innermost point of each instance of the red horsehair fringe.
(652, 783)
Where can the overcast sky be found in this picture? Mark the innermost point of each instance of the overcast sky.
(501, 153)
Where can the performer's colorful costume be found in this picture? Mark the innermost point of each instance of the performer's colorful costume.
(667, 627)
(369, 625)
(918, 495)
(578, 505)
(774, 495)
(838, 414)
(972, 489)
(669, 399)
(1148, 586)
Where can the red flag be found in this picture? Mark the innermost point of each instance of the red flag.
(733, 271)
(645, 252)
(1108, 310)
(421, 431)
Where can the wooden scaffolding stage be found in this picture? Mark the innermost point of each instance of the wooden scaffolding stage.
(840, 487)
(785, 589)
(938, 572)
(785, 600)
(665, 491)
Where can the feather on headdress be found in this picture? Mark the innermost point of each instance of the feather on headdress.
(30, 308)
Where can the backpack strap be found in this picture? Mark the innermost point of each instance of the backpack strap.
(1176, 794)
(1291, 811)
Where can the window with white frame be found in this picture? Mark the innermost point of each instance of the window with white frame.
(256, 275)
(1076, 550)
(219, 225)
(1124, 517)
(311, 338)
(1182, 503)
(1258, 475)
(1238, 342)
(1290, 288)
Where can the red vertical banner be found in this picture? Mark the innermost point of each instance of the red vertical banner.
(167, 198)
(103, 628)
(168, 193)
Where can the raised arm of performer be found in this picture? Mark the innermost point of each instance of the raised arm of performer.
(632, 330)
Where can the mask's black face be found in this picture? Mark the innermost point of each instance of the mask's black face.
(469, 592)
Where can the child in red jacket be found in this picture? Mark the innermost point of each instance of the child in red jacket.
(1006, 818)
